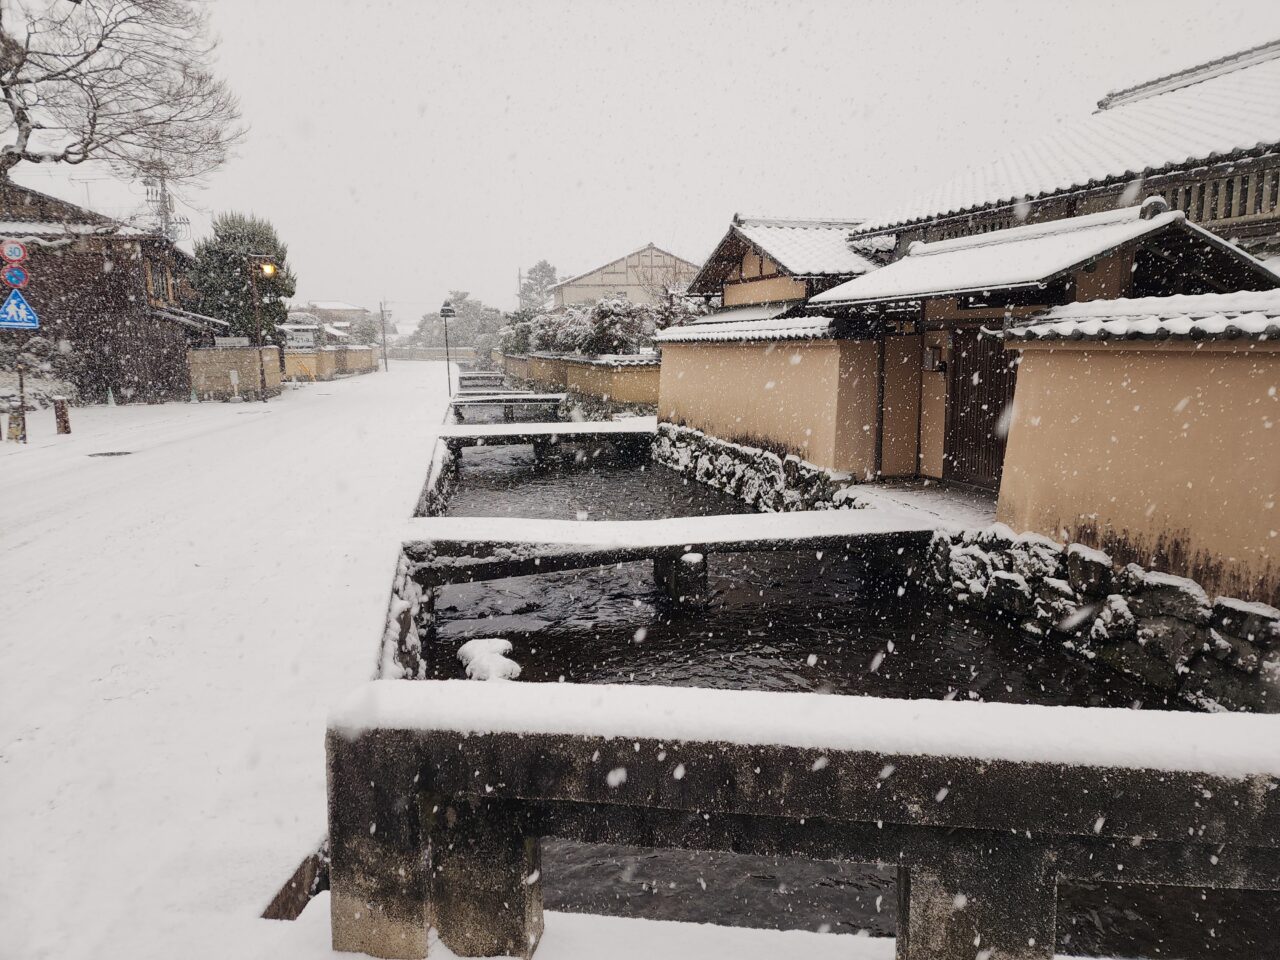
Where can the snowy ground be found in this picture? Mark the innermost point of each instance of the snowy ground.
(177, 622)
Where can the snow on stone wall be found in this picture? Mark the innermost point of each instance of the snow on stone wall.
(757, 477)
(409, 625)
(442, 477)
(1162, 629)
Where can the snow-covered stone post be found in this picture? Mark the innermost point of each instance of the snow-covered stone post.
(684, 580)
(997, 901)
(404, 862)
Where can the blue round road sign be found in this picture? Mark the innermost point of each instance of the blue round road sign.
(15, 276)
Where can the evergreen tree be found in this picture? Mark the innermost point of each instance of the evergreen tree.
(221, 275)
(536, 288)
(473, 323)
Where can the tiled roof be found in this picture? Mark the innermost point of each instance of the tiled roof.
(1253, 315)
(1017, 257)
(618, 360)
(806, 248)
(1215, 110)
(771, 328)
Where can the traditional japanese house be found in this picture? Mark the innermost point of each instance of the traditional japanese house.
(1147, 427)
(934, 385)
(758, 370)
(111, 298)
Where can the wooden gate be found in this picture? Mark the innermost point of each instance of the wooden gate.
(982, 381)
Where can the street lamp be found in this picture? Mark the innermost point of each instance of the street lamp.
(447, 311)
(260, 265)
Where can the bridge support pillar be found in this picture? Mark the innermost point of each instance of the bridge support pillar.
(997, 902)
(479, 885)
(542, 451)
(684, 580)
(486, 880)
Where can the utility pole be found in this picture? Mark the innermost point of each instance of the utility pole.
(382, 313)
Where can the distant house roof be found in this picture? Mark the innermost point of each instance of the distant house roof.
(1250, 314)
(337, 305)
(1218, 109)
(800, 248)
(29, 213)
(649, 246)
(1025, 256)
(747, 324)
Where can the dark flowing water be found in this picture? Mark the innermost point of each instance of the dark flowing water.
(784, 622)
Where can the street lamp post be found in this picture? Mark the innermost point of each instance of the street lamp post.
(264, 265)
(447, 311)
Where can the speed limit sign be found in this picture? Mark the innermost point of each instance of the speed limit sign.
(13, 251)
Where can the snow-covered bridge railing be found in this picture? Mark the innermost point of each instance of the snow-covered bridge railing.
(443, 550)
(440, 791)
(636, 431)
(509, 402)
(473, 379)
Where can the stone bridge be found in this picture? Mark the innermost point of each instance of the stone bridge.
(439, 793)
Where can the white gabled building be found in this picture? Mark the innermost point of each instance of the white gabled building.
(646, 275)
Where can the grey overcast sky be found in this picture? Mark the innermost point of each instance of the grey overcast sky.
(407, 148)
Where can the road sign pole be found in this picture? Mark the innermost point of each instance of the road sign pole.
(22, 403)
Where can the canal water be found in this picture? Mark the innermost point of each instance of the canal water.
(783, 622)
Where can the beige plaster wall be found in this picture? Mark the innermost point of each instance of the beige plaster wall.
(933, 409)
(856, 413)
(211, 371)
(767, 290)
(781, 394)
(901, 406)
(1163, 454)
(816, 399)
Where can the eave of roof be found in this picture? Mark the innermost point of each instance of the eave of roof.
(1014, 258)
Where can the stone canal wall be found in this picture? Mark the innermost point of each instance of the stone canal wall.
(757, 477)
(1217, 654)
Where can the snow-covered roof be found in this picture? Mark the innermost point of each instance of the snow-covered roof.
(19, 229)
(1003, 259)
(806, 248)
(339, 305)
(619, 360)
(1214, 316)
(766, 328)
(333, 331)
(1217, 109)
(800, 248)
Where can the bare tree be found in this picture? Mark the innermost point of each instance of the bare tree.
(123, 81)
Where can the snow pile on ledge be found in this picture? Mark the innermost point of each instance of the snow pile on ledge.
(486, 659)
(1227, 745)
(1213, 316)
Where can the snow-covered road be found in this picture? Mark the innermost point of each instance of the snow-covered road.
(175, 624)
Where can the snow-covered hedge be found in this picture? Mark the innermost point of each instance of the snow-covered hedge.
(757, 477)
(1157, 627)
(609, 326)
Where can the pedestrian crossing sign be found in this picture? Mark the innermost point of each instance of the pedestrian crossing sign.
(16, 314)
